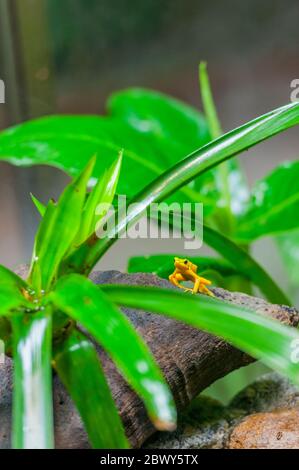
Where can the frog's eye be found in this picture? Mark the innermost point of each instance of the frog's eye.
(186, 261)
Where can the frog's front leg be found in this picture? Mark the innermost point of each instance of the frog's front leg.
(175, 278)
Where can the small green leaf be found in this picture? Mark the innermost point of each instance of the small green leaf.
(57, 231)
(32, 396)
(102, 193)
(13, 292)
(9, 277)
(274, 204)
(79, 369)
(257, 335)
(85, 303)
(39, 205)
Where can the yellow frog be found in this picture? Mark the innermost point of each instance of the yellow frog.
(187, 271)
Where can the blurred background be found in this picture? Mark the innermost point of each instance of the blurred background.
(67, 56)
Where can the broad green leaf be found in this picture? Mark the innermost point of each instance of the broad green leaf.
(68, 143)
(32, 393)
(57, 230)
(84, 302)
(274, 204)
(103, 193)
(163, 265)
(195, 164)
(41, 208)
(229, 179)
(255, 334)
(79, 369)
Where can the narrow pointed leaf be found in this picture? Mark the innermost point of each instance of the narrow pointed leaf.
(84, 302)
(32, 396)
(58, 229)
(102, 193)
(79, 369)
(255, 334)
(39, 205)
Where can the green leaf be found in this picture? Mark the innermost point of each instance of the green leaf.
(79, 369)
(32, 395)
(10, 278)
(39, 205)
(208, 102)
(255, 334)
(13, 292)
(163, 265)
(155, 114)
(57, 231)
(195, 164)
(68, 142)
(274, 204)
(103, 193)
(85, 303)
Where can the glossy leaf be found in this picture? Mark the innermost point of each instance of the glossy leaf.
(84, 302)
(57, 231)
(32, 396)
(79, 369)
(103, 193)
(274, 204)
(195, 164)
(163, 265)
(255, 334)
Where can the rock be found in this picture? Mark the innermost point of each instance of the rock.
(264, 415)
(269, 392)
(271, 407)
(204, 425)
(273, 430)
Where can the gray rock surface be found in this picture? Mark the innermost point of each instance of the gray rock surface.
(263, 415)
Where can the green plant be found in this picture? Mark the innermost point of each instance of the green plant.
(40, 316)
